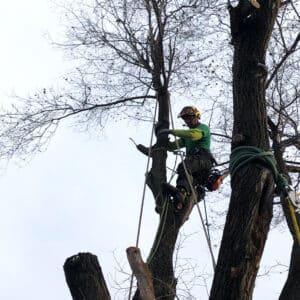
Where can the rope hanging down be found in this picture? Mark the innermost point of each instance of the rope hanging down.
(143, 196)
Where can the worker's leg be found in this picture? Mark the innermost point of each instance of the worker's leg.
(198, 167)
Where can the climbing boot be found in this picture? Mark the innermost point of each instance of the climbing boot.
(255, 3)
(178, 195)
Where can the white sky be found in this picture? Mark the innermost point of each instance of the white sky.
(84, 193)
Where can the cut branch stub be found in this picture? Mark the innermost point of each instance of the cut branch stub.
(141, 272)
(84, 278)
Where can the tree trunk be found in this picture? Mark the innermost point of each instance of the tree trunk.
(84, 278)
(291, 288)
(250, 209)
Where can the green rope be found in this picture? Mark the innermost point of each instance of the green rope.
(159, 231)
(245, 154)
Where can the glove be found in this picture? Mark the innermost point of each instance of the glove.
(164, 131)
(143, 149)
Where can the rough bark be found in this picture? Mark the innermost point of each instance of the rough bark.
(291, 288)
(157, 174)
(85, 278)
(250, 209)
(244, 236)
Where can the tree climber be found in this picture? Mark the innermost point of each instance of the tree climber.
(198, 161)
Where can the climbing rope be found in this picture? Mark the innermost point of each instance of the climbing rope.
(246, 154)
(206, 220)
(143, 195)
(242, 155)
(157, 239)
(194, 196)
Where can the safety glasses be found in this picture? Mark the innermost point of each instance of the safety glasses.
(188, 117)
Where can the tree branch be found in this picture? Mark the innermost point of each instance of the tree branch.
(293, 169)
(283, 59)
(85, 278)
(141, 272)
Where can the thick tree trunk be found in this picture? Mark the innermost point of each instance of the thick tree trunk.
(84, 278)
(292, 286)
(245, 232)
(157, 174)
(291, 289)
(250, 209)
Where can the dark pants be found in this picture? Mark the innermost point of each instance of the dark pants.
(198, 166)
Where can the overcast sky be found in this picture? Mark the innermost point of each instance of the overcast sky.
(83, 193)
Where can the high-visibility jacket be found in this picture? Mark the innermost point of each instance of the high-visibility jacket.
(193, 139)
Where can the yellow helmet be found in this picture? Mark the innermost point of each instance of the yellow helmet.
(190, 111)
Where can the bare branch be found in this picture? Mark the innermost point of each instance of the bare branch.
(288, 52)
(293, 169)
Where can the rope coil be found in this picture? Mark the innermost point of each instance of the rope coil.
(243, 155)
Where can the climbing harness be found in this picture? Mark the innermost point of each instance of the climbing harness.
(214, 179)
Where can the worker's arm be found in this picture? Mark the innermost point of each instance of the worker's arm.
(193, 134)
(175, 145)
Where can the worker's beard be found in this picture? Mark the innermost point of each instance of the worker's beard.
(193, 125)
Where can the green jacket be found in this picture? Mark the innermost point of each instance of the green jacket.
(192, 139)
